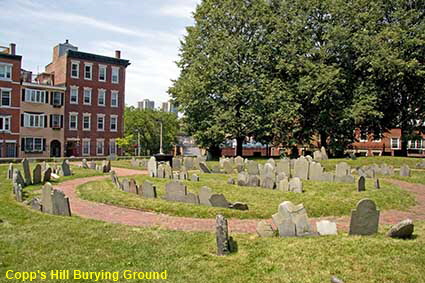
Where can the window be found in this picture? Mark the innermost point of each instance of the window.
(32, 120)
(100, 122)
(112, 146)
(73, 98)
(35, 95)
(5, 123)
(88, 71)
(415, 144)
(102, 73)
(56, 121)
(100, 144)
(73, 121)
(114, 98)
(86, 147)
(5, 71)
(363, 136)
(114, 119)
(33, 144)
(57, 98)
(86, 122)
(75, 69)
(5, 94)
(115, 75)
(87, 96)
(101, 97)
(395, 143)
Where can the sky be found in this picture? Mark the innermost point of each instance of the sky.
(148, 33)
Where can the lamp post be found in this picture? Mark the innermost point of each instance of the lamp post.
(160, 138)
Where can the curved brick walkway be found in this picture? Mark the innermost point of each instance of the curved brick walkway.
(133, 217)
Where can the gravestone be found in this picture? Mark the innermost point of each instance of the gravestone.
(46, 198)
(268, 170)
(161, 171)
(132, 186)
(295, 185)
(60, 204)
(35, 204)
(134, 162)
(18, 193)
(284, 166)
(168, 171)
(361, 184)
(317, 155)
(114, 179)
(324, 154)
(264, 229)
(291, 220)
(253, 181)
(44, 166)
(243, 179)
(204, 168)
(326, 227)
(10, 171)
(225, 244)
(216, 169)
(66, 171)
(309, 158)
(405, 171)
(148, 190)
(316, 171)
(252, 168)
(176, 176)
(283, 185)
(194, 178)
(152, 167)
(47, 175)
(327, 177)
(228, 168)
(183, 175)
(301, 168)
(239, 168)
(364, 219)
(280, 177)
(176, 191)
(239, 161)
(231, 181)
(36, 174)
(345, 179)
(402, 230)
(125, 184)
(376, 184)
(267, 182)
(92, 165)
(84, 164)
(17, 178)
(204, 196)
(106, 166)
(342, 169)
(218, 200)
(176, 163)
(271, 162)
(27, 173)
(188, 163)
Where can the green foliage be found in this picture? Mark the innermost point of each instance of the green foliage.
(146, 125)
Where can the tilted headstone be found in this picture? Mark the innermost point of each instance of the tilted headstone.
(243, 179)
(301, 168)
(405, 171)
(66, 171)
(36, 174)
(326, 227)
(47, 174)
(84, 164)
(17, 178)
(264, 229)
(402, 230)
(148, 190)
(46, 198)
(225, 244)
(60, 204)
(114, 179)
(27, 172)
(204, 168)
(291, 220)
(194, 178)
(204, 196)
(364, 219)
(152, 167)
(10, 171)
(361, 184)
(132, 188)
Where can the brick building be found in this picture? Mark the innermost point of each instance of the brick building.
(94, 99)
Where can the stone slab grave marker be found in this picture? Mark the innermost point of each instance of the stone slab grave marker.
(27, 172)
(225, 244)
(324, 154)
(106, 166)
(216, 169)
(152, 167)
(345, 179)
(36, 174)
(134, 162)
(92, 165)
(342, 169)
(317, 155)
(243, 179)
(60, 204)
(18, 193)
(168, 171)
(161, 171)
(204, 196)
(291, 220)
(46, 198)
(283, 185)
(114, 179)
(267, 182)
(405, 171)
(295, 185)
(326, 227)
(148, 190)
(177, 191)
(176, 176)
(252, 168)
(35, 204)
(231, 181)
(327, 177)
(17, 178)
(376, 184)
(227, 166)
(188, 163)
(84, 164)
(204, 168)
(66, 171)
(402, 230)
(10, 171)
(194, 178)
(301, 168)
(183, 175)
(176, 163)
(316, 171)
(253, 181)
(125, 184)
(284, 166)
(264, 229)
(364, 219)
(218, 200)
(239, 161)
(361, 184)
(132, 186)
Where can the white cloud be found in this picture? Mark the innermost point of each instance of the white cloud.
(179, 8)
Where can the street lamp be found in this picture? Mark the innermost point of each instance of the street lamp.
(160, 138)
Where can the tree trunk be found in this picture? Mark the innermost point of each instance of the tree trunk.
(323, 139)
(214, 152)
(403, 142)
(239, 142)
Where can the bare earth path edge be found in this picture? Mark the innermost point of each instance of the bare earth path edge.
(133, 217)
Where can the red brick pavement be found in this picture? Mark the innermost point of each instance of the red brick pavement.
(133, 217)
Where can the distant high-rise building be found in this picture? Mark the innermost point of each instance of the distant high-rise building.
(146, 104)
(168, 107)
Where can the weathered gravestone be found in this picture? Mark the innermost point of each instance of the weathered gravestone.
(17, 178)
(176, 176)
(60, 204)
(168, 171)
(216, 169)
(161, 171)
(291, 220)
(361, 184)
(35, 204)
(176, 191)
(324, 154)
(204, 196)
(316, 171)
(342, 169)
(284, 166)
(47, 175)
(183, 175)
(295, 185)
(84, 164)
(218, 200)
(10, 171)
(228, 167)
(345, 179)
(46, 198)
(405, 171)
(152, 167)
(327, 177)
(204, 168)
(326, 227)
(252, 168)
(225, 244)
(125, 184)
(92, 165)
(176, 163)
(253, 181)
(301, 168)
(317, 155)
(194, 178)
(243, 179)
(364, 219)
(36, 174)
(376, 184)
(18, 192)
(239, 160)
(267, 182)
(132, 187)
(188, 162)
(114, 179)
(27, 173)
(66, 171)
(402, 230)
(106, 166)
(283, 185)
(264, 229)
(148, 190)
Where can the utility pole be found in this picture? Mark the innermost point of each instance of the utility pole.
(138, 143)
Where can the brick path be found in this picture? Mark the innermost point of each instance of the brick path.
(133, 217)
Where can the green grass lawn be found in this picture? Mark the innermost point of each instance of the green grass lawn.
(125, 163)
(31, 241)
(320, 198)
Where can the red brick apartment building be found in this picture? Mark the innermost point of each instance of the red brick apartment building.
(94, 99)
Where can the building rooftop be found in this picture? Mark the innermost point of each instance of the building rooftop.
(98, 58)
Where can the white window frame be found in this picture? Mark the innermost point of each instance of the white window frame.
(102, 141)
(103, 122)
(116, 123)
(89, 91)
(35, 95)
(86, 142)
(91, 71)
(53, 98)
(9, 90)
(102, 67)
(5, 118)
(34, 120)
(73, 88)
(89, 116)
(101, 92)
(52, 122)
(8, 68)
(73, 114)
(115, 73)
(77, 63)
(116, 93)
(112, 142)
(33, 144)
(398, 143)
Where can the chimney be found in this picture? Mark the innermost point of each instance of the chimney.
(12, 49)
(66, 41)
(117, 54)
